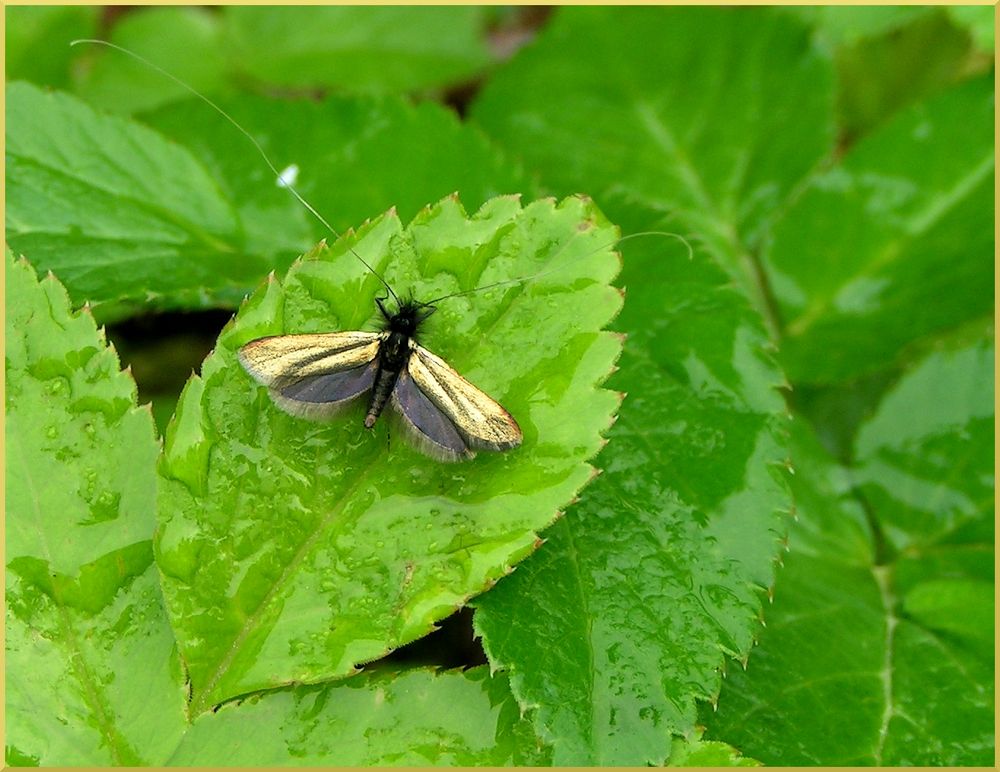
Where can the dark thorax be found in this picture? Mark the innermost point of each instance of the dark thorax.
(394, 352)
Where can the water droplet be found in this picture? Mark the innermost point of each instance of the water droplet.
(52, 432)
(105, 506)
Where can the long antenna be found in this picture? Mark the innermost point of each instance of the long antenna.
(523, 279)
(246, 134)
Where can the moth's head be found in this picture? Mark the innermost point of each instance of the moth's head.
(407, 318)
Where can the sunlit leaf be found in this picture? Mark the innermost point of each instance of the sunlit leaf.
(92, 674)
(706, 753)
(416, 718)
(93, 677)
(293, 551)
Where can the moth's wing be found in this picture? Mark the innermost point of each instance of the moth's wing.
(427, 427)
(480, 420)
(314, 375)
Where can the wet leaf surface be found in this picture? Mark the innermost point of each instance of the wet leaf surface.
(92, 674)
(894, 649)
(415, 718)
(625, 617)
(94, 677)
(790, 135)
(293, 550)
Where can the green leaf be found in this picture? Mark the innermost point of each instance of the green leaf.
(37, 41)
(705, 753)
(114, 209)
(389, 49)
(845, 25)
(184, 41)
(925, 458)
(711, 115)
(415, 718)
(627, 614)
(349, 153)
(896, 654)
(899, 237)
(880, 74)
(92, 677)
(367, 49)
(979, 21)
(120, 212)
(293, 551)
(836, 410)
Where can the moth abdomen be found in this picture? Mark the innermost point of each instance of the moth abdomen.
(385, 382)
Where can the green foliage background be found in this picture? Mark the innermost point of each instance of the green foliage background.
(792, 530)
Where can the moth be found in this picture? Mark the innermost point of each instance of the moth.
(316, 375)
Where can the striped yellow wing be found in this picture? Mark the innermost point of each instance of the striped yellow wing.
(271, 360)
(314, 375)
(483, 422)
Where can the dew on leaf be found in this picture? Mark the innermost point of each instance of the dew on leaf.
(57, 385)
